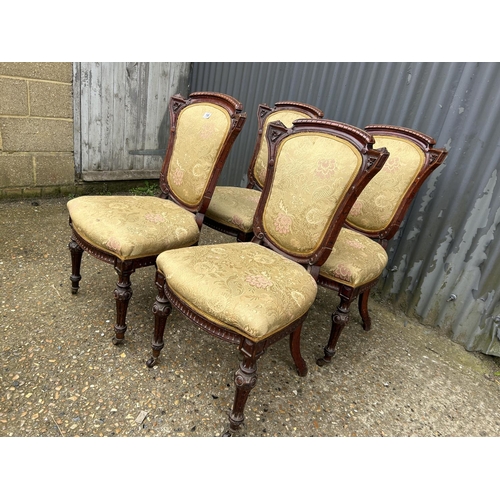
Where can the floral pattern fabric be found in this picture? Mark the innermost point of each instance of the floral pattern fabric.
(285, 116)
(376, 205)
(234, 207)
(355, 259)
(313, 172)
(201, 131)
(241, 286)
(130, 227)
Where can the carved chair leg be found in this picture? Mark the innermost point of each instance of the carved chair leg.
(123, 294)
(340, 318)
(245, 379)
(76, 261)
(363, 309)
(300, 364)
(161, 310)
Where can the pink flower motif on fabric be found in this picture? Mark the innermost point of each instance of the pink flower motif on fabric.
(177, 176)
(357, 208)
(342, 272)
(325, 168)
(393, 164)
(113, 244)
(237, 221)
(259, 281)
(155, 218)
(283, 223)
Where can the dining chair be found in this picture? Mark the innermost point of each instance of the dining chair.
(232, 208)
(129, 232)
(252, 294)
(359, 256)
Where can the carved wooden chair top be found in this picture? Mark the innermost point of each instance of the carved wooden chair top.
(232, 208)
(254, 293)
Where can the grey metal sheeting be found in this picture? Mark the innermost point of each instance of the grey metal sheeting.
(444, 260)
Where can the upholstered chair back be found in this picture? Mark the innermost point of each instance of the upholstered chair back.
(201, 130)
(314, 173)
(382, 206)
(376, 205)
(285, 116)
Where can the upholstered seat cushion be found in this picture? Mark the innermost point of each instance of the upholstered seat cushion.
(131, 227)
(355, 259)
(234, 207)
(244, 287)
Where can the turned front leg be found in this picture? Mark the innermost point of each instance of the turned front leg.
(245, 379)
(161, 310)
(123, 294)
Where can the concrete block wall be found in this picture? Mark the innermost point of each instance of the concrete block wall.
(36, 129)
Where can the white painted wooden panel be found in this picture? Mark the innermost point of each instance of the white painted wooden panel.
(121, 117)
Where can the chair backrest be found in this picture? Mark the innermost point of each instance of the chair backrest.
(316, 170)
(286, 112)
(381, 207)
(203, 128)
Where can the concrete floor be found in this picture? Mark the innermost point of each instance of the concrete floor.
(60, 375)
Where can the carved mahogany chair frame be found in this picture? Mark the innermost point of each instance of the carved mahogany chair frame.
(433, 159)
(265, 115)
(371, 161)
(124, 268)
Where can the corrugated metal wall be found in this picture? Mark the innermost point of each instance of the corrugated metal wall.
(445, 260)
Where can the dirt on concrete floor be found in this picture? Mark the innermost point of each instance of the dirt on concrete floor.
(60, 375)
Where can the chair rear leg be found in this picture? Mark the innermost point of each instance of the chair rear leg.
(340, 318)
(363, 309)
(300, 364)
(76, 261)
(123, 294)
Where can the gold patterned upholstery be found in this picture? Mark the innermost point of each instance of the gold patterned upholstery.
(355, 260)
(315, 173)
(376, 205)
(358, 257)
(240, 286)
(132, 227)
(128, 231)
(200, 136)
(233, 207)
(253, 294)
(285, 116)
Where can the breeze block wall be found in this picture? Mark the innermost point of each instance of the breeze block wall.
(36, 129)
